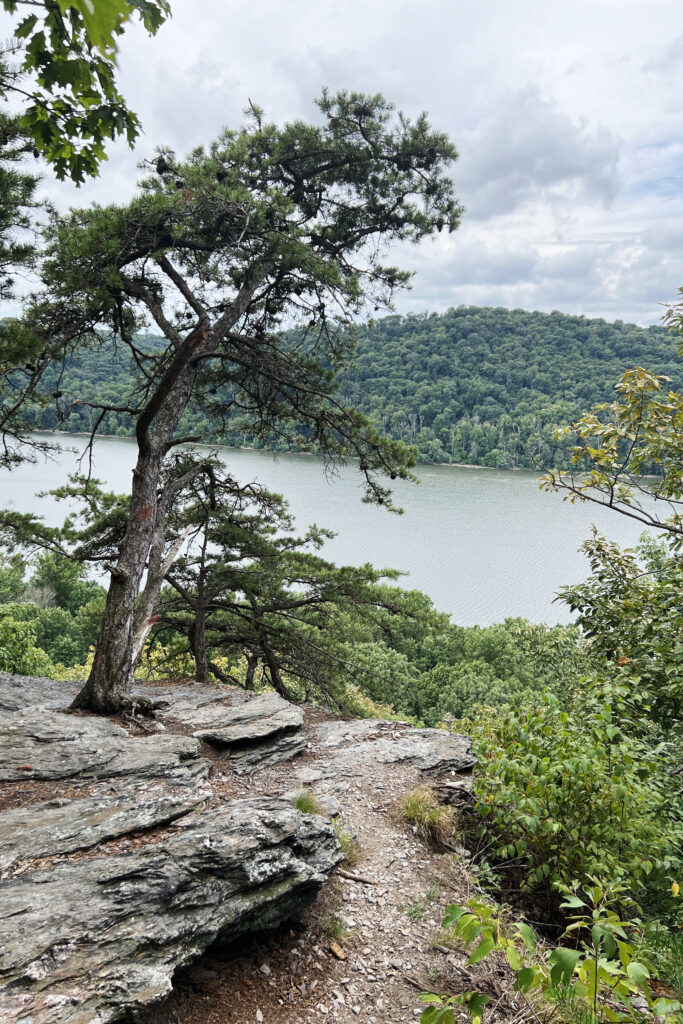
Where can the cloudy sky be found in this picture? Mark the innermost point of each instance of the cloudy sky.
(568, 119)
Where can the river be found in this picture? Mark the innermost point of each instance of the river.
(482, 543)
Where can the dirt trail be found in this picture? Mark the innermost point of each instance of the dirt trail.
(365, 949)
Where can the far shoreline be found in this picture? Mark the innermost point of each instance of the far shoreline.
(270, 451)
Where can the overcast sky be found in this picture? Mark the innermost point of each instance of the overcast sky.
(568, 119)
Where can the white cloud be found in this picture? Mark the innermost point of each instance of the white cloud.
(528, 151)
(568, 119)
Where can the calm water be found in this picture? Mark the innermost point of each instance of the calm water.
(484, 544)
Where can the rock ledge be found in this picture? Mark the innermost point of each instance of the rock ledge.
(126, 855)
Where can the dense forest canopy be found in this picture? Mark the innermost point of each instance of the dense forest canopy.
(478, 385)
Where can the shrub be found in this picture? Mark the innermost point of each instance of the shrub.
(598, 979)
(566, 796)
(635, 619)
(18, 650)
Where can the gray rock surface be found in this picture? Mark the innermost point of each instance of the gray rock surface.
(253, 720)
(256, 730)
(40, 744)
(190, 696)
(253, 757)
(361, 743)
(17, 692)
(97, 934)
(61, 826)
(92, 940)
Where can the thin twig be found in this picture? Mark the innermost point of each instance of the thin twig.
(356, 878)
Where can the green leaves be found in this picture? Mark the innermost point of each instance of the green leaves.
(574, 796)
(258, 235)
(526, 978)
(17, 188)
(19, 652)
(102, 20)
(482, 950)
(562, 965)
(514, 958)
(583, 973)
(25, 27)
(633, 620)
(69, 53)
(453, 914)
(618, 445)
(440, 1010)
(639, 973)
(528, 936)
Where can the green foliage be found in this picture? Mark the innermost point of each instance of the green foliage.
(275, 191)
(336, 634)
(444, 672)
(385, 675)
(19, 652)
(66, 638)
(267, 227)
(62, 606)
(12, 582)
(616, 445)
(18, 230)
(629, 454)
(441, 1009)
(571, 794)
(634, 619)
(67, 580)
(69, 51)
(458, 691)
(475, 385)
(601, 972)
(249, 585)
(663, 947)
(17, 188)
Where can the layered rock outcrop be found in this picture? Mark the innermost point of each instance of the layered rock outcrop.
(125, 855)
(91, 940)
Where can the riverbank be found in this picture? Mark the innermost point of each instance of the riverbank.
(275, 453)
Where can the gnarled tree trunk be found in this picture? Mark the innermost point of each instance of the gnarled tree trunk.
(126, 621)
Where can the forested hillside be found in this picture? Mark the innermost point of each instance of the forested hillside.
(487, 385)
(484, 386)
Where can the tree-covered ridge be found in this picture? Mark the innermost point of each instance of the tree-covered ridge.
(488, 385)
(479, 385)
